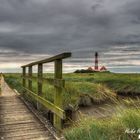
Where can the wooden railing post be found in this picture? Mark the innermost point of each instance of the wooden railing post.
(30, 80)
(40, 75)
(58, 94)
(24, 74)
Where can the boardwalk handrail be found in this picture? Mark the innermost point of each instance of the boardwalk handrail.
(51, 59)
(57, 82)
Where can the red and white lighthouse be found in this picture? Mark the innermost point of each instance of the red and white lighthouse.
(96, 61)
(96, 67)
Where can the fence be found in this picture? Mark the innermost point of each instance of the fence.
(57, 82)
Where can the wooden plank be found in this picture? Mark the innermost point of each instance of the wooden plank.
(51, 59)
(58, 95)
(47, 104)
(16, 120)
(30, 80)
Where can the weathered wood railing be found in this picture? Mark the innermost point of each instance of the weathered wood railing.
(57, 82)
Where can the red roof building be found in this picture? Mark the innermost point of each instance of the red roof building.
(100, 69)
(103, 68)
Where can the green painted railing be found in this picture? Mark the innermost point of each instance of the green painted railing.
(57, 82)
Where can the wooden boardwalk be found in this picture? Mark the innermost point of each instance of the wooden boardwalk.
(16, 120)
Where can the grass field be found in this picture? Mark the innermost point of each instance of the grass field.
(85, 89)
(89, 89)
(115, 128)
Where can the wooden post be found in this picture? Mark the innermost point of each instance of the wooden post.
(40, 75)
(30, 80)
(0, 79)
(24, 74)
(58, 94)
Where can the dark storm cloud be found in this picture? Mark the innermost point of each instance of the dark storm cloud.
(30, 27)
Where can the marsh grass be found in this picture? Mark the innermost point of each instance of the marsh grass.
(106, 129)
(96, 88)
(83, 92)
(86, 89)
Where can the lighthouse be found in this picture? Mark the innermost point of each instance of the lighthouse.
(96, 68)
(96, 61)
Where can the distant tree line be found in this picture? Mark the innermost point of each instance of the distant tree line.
(84, 71)
(89, 71)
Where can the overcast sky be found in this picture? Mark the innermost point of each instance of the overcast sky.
(36, 29)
